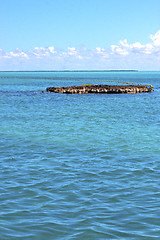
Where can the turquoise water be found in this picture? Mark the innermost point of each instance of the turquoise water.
(78, 166)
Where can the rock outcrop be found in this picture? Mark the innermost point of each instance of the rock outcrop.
(100, 89)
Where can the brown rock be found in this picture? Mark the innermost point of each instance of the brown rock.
(100, 89)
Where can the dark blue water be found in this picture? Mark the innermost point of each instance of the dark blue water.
(79, 166)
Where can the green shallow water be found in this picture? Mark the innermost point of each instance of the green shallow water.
(78, 166)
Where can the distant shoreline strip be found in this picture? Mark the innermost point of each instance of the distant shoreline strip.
(77, 71)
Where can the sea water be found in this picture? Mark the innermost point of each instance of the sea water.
(79, 166)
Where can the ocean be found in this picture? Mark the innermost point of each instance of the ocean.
(79, 166)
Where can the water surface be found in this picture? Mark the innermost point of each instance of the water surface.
(78, 166)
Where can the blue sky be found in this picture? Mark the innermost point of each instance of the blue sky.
(75, 29)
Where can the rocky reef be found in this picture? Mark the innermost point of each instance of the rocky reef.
(83, 89)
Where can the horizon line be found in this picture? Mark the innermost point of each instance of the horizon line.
(70, 70)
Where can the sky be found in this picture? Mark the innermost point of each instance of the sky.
(79, 34)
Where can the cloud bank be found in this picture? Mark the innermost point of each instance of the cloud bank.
(122, 56)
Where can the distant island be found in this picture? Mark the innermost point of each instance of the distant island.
(96, 71)
(75, 71)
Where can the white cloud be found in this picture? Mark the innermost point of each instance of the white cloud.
(119, 49)
(150, 48)
(72, 51)
(100, 50)
(42, 51)
(123, 55)
(18, 53)
(51, 49)
(156, 38)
